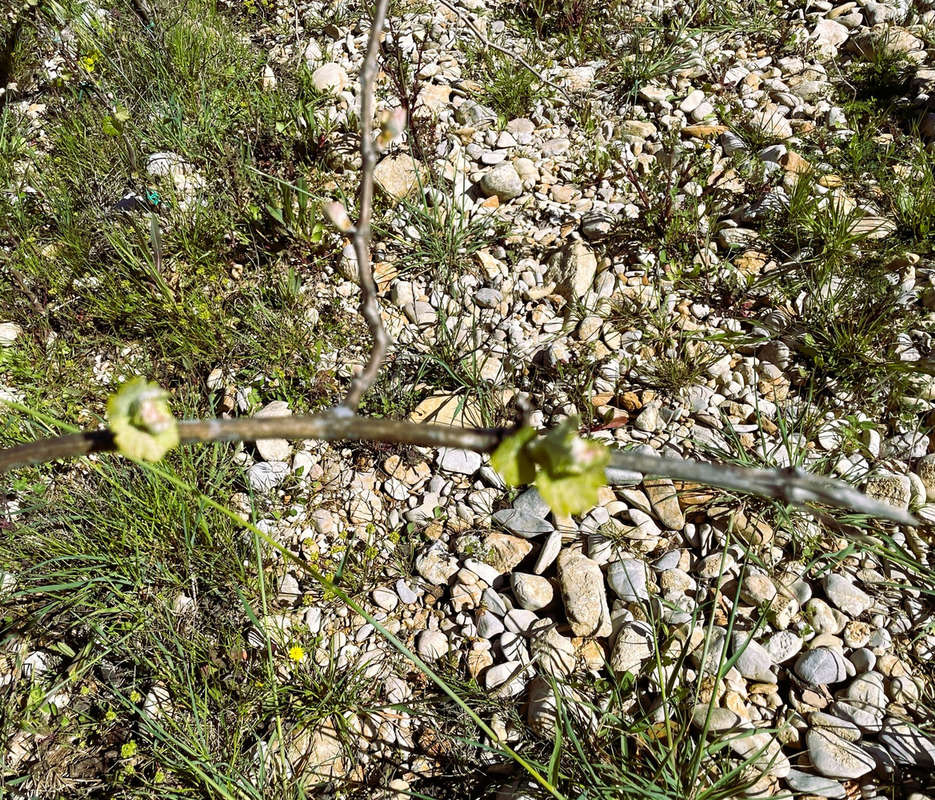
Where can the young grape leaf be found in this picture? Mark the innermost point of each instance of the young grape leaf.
(512, 461)
(571, 469)
(140, 420)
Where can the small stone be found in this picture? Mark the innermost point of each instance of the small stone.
(845, 595)
(531, 502)
(890, 488)
(549, 552)
(8, 333)
(821, 666)
(522, 524)
(432, 645)
(265, 476)
(633, 645)
(863, 702)
(532, 592)
(385, 598)
(757, 589)
(627, 579)
(573, 269)
(489, 625)
(763, 751)
(754, 661)
(503, 182)
(330, 77)
(505, 551)
(583, 592)
(665, 502)
(506, 679)
(398, 176)
(925, 469)
(274, 449)
(462, 462)
(814, 785)
(829, 34)
(406, 595)
(835, 757)
(436, 565)
(553, 653)
(783, 646)
(907, 744)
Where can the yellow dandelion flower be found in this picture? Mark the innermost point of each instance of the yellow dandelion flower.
(296, 653)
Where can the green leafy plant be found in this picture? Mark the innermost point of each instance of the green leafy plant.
(566, 469)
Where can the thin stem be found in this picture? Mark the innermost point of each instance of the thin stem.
(793, 486)
(369, 307)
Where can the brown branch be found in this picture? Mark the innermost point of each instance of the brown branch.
(329, 427)
(369, 307)
(794, 486)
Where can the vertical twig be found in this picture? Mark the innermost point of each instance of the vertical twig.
(369, 307)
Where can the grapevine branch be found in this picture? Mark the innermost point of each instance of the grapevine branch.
(793, 486)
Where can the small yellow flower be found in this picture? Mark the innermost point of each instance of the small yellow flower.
(296, 653)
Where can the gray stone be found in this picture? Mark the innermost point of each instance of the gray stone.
(436, 565)
(763, 752)
(925, 469)
(835, 757)
(519, 620)
(814, 785)
(583, 592)
(890, 488)
(783, 646)
(507, 679)
(463, 462)
(274, 449)
(522, 524)
(633, 645)
(627, 579)
(845, 595)
(863, 702)
(838, 726)
(665, 503)
(267, 475)
(820, 666)
(398, 176)
(488, 625)
(553, 653)
(754, 661)
(471, 113)
(907, 745)
(502, 181)
(530, 502)
(549, 552)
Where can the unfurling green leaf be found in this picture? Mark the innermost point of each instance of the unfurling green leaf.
(566, 469)
(512, 461)
(571, 469)
(140, 420)
(571, 493)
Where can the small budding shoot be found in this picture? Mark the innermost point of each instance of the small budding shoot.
(336, 214)
(140, 419)
(392, 124)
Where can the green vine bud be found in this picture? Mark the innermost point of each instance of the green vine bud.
(139, 418)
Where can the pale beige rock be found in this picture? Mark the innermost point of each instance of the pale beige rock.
(274, 449)
(398, 176)
(583, 591)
